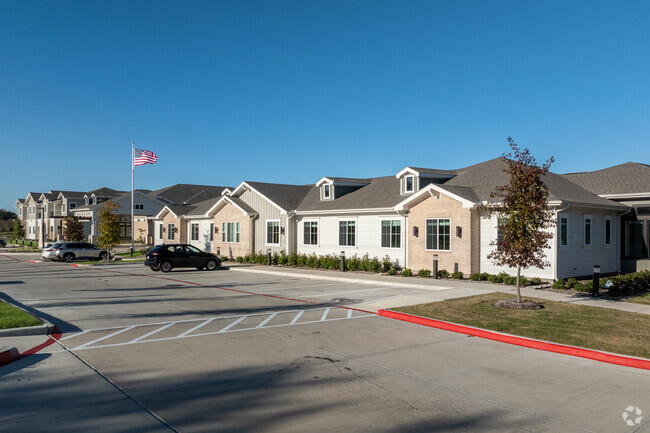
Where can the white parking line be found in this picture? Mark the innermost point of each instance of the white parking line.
(233, 324)
(104, 337)
(327, 310)
(189, 331)
(267, 320)
(153, 332)
(295, 319)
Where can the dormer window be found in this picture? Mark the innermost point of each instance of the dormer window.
(409, 184)
(327, 191)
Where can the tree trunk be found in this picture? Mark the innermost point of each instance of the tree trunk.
(518, 290)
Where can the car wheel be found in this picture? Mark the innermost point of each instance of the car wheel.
(211, 265)
(155, 267)
(102, 255)
(165, 266)
(68, 258)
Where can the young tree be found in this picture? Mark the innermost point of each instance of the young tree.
(523, 213)
(108, 227)
(19, 230)
(73, 230)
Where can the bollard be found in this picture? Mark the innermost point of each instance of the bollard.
(342, 261)
(595, 285)
(435, 267)
(268, 257)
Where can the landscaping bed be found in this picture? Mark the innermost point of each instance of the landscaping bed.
(595, 328)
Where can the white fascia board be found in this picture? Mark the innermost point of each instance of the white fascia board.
(240, 189)
(324, 180)
(408, 170)
(197, 217)
(221, 203)
(347, 211)
(593, 206)
(163, 212)
(226, 191)
(427, 190)
(626, 196)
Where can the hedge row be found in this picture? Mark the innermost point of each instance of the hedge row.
(622, 285)
(367, 264)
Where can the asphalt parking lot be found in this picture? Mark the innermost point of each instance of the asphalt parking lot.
(239, 352)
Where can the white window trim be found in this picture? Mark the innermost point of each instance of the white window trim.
(401, 235)
(559, 227)
(224, 233)
(356, 233)
(411, 176)
(318, 233)
(266, 232)
(611, 231)
(198, 231)
(327, 191)
(496, 234)
(584, 230)
(171, 231)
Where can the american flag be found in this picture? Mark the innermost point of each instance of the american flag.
(143, 157)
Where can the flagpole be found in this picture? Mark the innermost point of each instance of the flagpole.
(132, 171)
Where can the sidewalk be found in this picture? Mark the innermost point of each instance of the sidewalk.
(446, 288)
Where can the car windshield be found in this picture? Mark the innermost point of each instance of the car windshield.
(191, 249)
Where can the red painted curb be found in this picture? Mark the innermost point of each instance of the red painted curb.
(9, 356)
(521, 341)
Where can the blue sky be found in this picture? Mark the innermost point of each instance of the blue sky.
(290, 91)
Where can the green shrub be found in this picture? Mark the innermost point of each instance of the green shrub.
(536, 281)
(353, 263)
(458, 275)
(523, 281)
(283, 259)
(494, 279)
(443, 273)
(386, 264)
(510, 280)
(583, 287)
(407, 273)
(424, 273)
(484, 276)
(391, 271)
(502, 276)
(559, 284)
(571, 282)
(475, 276)
(239, 259)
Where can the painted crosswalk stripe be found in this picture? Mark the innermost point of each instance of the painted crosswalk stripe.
(152, 332)
(349, 313)
(325, 313)
(74, 335)
(105, 337)
(233, 324)
(189, 331)
(295, 319)
(267, 320)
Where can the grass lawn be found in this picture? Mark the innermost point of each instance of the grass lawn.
(576, 325)
(12, 317)
(641, 299)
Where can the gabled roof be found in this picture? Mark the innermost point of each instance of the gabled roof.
(183, 193)
(235, 201)
(106, 192)
(71, 194)
(285, 197)
(427, 172)
(202, 208)
(380, 192)
(631, 178)
(35, 196)
(343, 181)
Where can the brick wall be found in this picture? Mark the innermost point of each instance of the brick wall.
(230, 213)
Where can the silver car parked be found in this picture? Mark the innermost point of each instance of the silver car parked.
(69, 251)
(49, 251)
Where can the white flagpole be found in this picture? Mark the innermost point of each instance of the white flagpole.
(132, 171)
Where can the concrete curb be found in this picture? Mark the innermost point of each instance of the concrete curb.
(360, 280)
(595, 355)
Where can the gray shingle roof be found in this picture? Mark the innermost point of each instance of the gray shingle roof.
(349, 180)
(187, 193)
(434, 171)
(628, 178)
(381, 192)
(288, 197)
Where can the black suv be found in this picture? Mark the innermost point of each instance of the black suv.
(166, 257)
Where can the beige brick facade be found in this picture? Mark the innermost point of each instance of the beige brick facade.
(230, 213)
(464, 250)
(180, 237)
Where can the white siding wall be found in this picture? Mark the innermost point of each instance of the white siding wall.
(266, 211)
(204, 242)
(368, 237)
(488, 234)
(578, 259)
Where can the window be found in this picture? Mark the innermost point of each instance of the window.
(171, 229)
(230, 232)
(310, 232)
(211, 231)
(195, 231)
(327, 191)
(273, 232)
(501, 222)
(138, 206)
(587, 230)
(409, 184)
(347, 233)
(438, 234)
(391, 234)
(564, 231)
(160, 231)
(72, 205)
(608, 230)
(633, 240)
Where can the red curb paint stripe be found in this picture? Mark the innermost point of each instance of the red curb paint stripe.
(9, 356)
(521, 341)
(50, 341)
